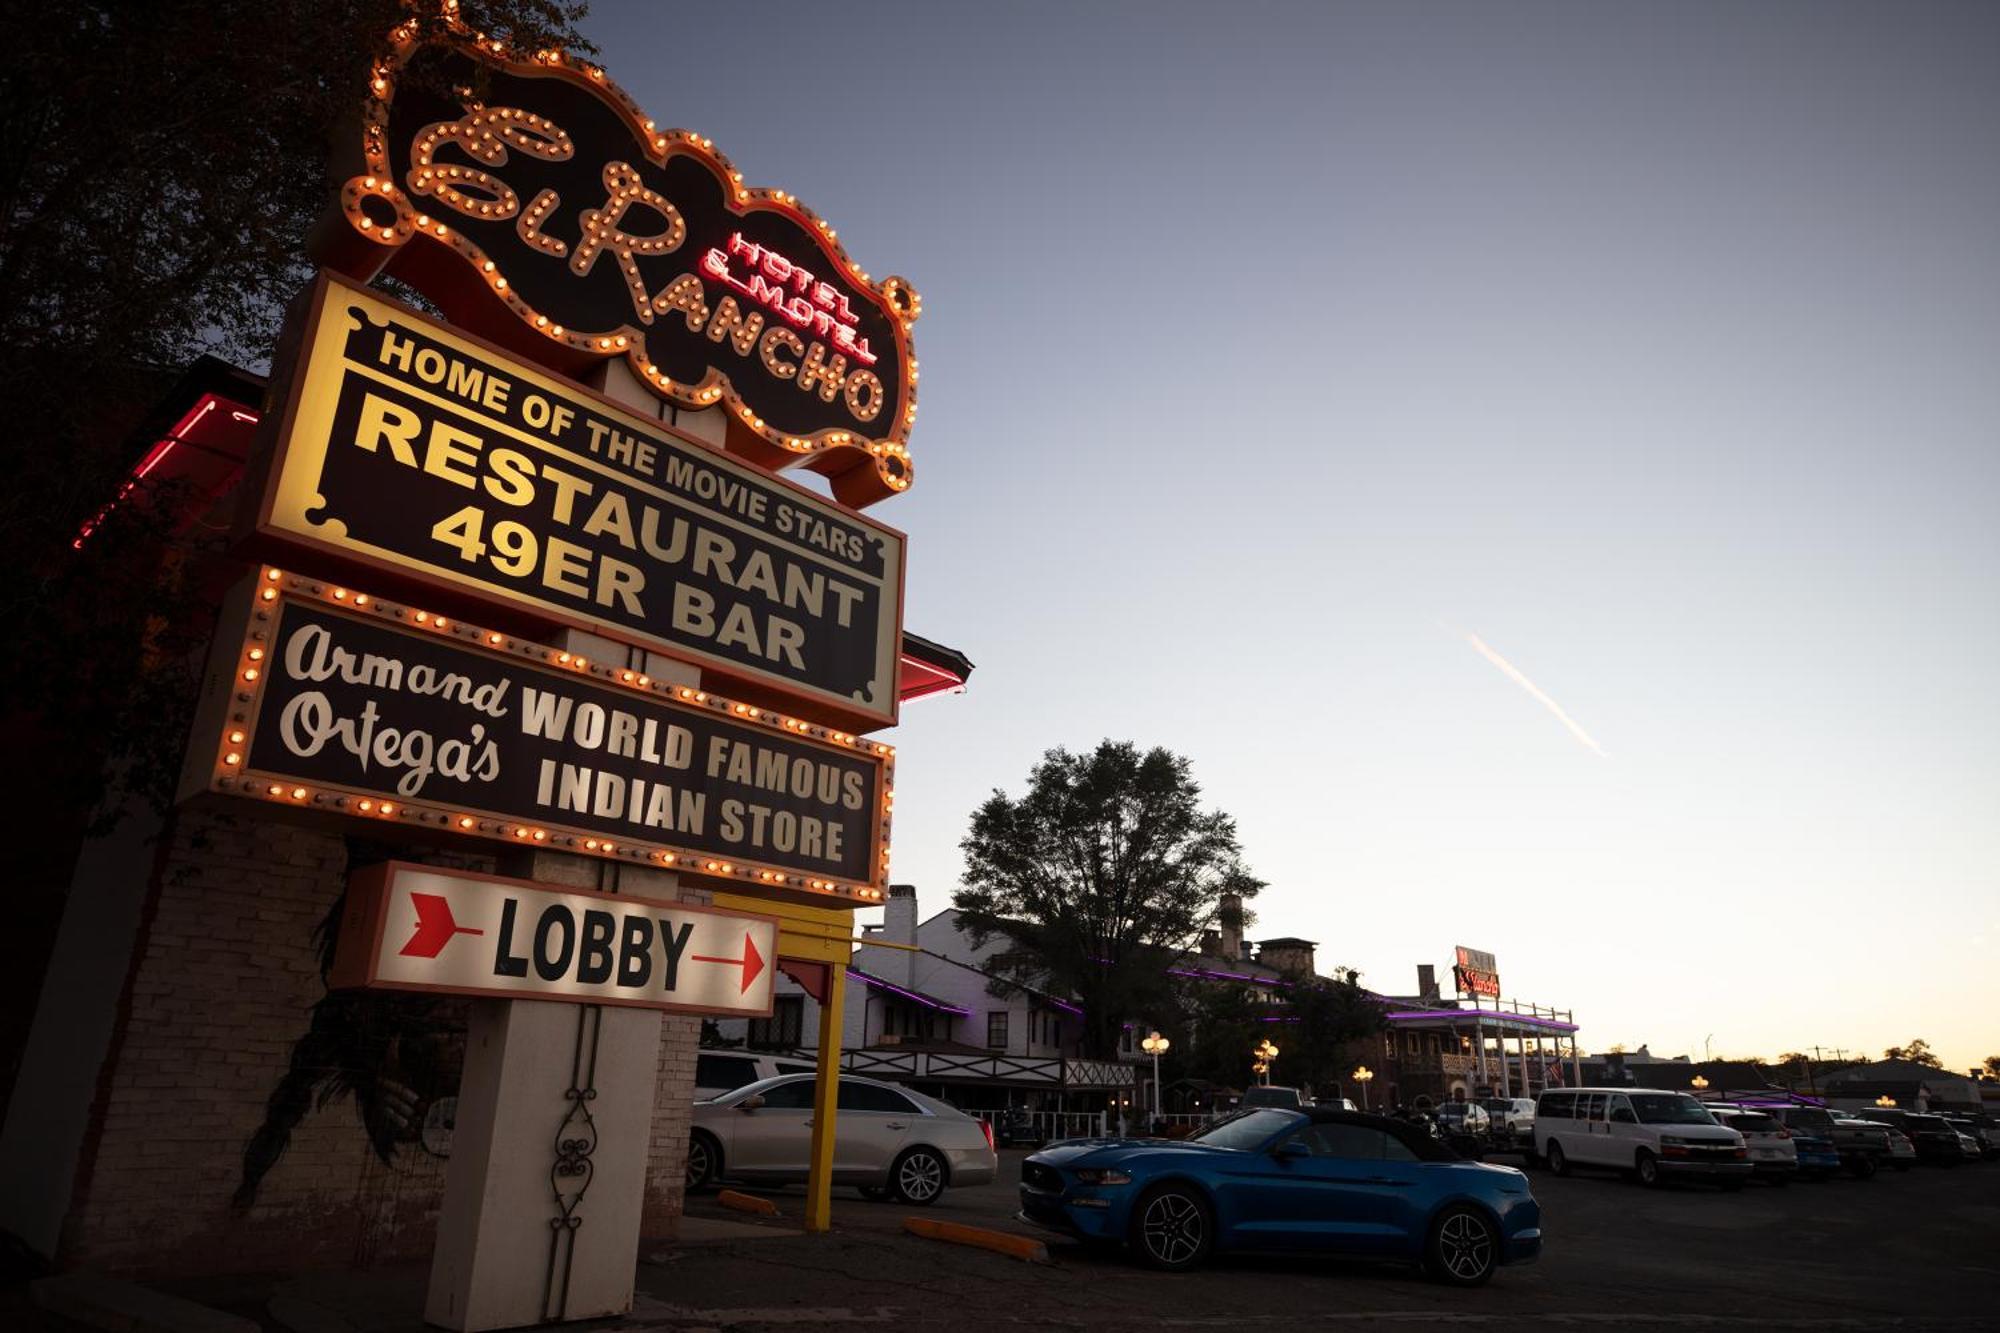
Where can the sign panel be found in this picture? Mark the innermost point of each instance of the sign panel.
(1477, 972)
(413, 927)
(324, 698)
(407, 448)
(545, 209)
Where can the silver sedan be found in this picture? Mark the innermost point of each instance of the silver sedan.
(887, 1140)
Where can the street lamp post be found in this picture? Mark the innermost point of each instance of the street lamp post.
(1155, 1045)
(1362, 1075)
(1266, 1054)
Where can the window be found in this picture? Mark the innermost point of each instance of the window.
(1355, 1142)
(795, 1096)
(784, 1030)
(1669, 1108)
(869, 1097)
(727, 1072)
(1246, 1129)
(1556, 1106)
(914, 1021)
(996, 1030)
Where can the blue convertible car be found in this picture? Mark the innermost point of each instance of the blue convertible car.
(1317, 1181)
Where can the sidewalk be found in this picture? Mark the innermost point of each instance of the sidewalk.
(720, 1274)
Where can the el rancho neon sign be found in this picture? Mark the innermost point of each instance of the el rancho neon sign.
(549, 214)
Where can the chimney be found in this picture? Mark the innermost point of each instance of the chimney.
(899, 926)
(1229, 918)
(1291, 956)
(1211, 944)
(1427, 981)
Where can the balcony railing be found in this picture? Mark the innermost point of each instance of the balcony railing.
(966, 1067)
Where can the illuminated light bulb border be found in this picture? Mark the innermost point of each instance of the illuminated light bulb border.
(232, 776)
(889, 457)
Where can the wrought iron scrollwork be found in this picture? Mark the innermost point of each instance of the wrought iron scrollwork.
(572, 1171)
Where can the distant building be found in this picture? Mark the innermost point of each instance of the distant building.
(921, 1009)
(1912, 1086)
(1444, 1050)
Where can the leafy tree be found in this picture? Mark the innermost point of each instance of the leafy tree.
(1333, 1014)
(161, 168)
(1794, 1058)
(1918, 1052)
(1104, 870)
(1992, 1066)
(1223, 1020)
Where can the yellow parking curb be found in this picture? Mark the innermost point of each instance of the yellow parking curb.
(1025, 1248)
(747, 1203)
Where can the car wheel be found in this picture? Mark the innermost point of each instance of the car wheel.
(1173, 1229)
(918, 1177)
(1648, 1169)
(1558, 1159)
(704, 1161)
(1464, 1247)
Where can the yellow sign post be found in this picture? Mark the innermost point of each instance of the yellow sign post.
(822, 936)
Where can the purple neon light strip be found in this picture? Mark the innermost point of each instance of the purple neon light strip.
(1226, 976)
(924, 1000)
(1529, 1019)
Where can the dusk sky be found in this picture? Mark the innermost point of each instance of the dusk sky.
(1272, 352)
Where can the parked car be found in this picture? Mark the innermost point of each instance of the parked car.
(1902, 1152)
(1512, 1116)
(1336, 1104)
(1650, 1133)
(1931, 1135)
(1984, 1137)
(1314, 1181)
(1464, 1126)
(1862, 1147)
(887, 1140)
(717, 1072)
(1774, 1154)
(1273, 1095)
(1463, 1117)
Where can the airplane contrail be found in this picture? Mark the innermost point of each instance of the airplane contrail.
(1513, 673)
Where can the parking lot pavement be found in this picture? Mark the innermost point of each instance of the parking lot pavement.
(1913, 1251)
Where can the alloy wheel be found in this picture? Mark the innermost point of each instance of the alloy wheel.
(920, 1178)
(1173, 1229)
(1465, 1246)
(700, 1162)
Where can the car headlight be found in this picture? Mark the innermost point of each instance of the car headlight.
(1674, 1141)
(1102, 1175)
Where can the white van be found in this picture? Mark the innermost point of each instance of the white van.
(1650, 1133)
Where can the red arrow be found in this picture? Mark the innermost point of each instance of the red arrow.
(751, 962)
(434, 927)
